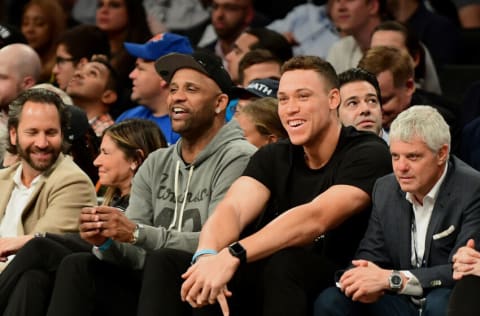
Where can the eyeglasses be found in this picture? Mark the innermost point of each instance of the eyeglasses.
(60, 61)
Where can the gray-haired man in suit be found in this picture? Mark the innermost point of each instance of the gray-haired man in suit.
(422, 213)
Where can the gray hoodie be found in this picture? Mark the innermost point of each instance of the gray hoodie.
(161, 184)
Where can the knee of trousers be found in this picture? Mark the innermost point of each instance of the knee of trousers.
(76, 264)
(328, 301)
(33, 279)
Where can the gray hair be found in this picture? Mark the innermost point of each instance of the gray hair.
(421, 121)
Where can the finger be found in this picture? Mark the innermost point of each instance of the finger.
(222, 301)
(189, 272)
(360, 263)
(107, 210)
(186, 286)
(85, 227)
(204, 295)
(191, 301)
(471, 243)
(88, 210)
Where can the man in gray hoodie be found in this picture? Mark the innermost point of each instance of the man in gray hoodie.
(173, 193)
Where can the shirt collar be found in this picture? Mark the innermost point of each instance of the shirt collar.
(17, 177)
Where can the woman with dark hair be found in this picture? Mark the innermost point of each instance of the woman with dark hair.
(42, 23)
(26, 283)
(123, 21)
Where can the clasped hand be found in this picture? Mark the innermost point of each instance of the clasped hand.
(366, 282)
(466, 261)
(101, 222)
(206, 280)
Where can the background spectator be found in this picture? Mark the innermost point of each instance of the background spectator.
(43, 21)
(75, 47)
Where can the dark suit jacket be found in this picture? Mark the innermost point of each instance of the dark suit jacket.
(387, 241)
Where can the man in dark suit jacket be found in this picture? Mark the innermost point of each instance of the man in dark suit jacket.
(422, 213)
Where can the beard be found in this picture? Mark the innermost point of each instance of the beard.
(38, 164)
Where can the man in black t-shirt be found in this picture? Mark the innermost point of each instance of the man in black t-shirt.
(294, 217)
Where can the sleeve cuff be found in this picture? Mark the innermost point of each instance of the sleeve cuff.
(413, 286)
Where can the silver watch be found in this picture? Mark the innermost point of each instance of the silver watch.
(395, 280)
(136, 233)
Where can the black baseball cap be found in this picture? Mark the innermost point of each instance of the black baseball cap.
(206, 63)
(10, 35)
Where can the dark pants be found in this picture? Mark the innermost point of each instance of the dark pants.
(465, 300)
(26, 283)
(332, 302)
(282, 284)
(86, 285)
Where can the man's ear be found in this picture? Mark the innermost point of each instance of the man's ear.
(334, 99)
(410, 85)
(109, 97)
(13, 136)
(222, 102)
(443, 154)
(28, 82)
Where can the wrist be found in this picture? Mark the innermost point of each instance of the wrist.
(236, 250)
(106, 244)
(202, 252)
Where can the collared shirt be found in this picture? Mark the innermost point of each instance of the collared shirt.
(18, 200)
(422, 213)
(312, 28)
(100, 123)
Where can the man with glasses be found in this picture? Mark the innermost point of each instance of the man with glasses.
(75, 48)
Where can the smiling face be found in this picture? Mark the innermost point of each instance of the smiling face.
(114, 169)
(38, 137)
(305, 108)
(360, 107)
(192, 100)
(416, 167)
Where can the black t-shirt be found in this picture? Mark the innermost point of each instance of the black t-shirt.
(359, 159)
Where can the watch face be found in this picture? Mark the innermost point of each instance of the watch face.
(237, 248)
(396, 280)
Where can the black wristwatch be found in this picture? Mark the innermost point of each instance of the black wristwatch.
(237, 250)
(395, 280)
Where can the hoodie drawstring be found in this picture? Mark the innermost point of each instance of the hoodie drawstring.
(177, 172)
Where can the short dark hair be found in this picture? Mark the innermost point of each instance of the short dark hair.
(315, 63)
(84, 41)
(359, 74)
(272, 41)
(256, 56)
(39, 95)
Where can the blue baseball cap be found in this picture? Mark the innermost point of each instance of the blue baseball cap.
(161, 44)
